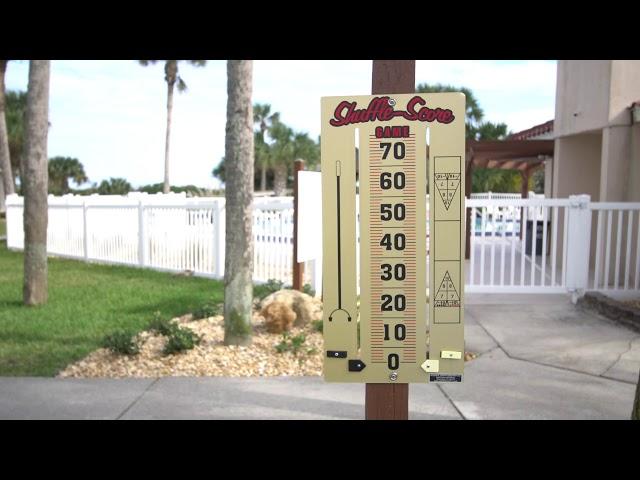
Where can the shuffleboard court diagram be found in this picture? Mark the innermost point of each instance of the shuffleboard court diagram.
(447, 185)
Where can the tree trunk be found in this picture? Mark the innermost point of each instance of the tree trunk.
(3, 204)
(166, 188)
(34, 184)
(635, 414)
(280, 180)
(5, 160)
(263, 178)
(238, 262)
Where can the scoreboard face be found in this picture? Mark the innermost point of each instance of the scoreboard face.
(378, 154)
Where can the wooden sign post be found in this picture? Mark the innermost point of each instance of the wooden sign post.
(378, 152)
(384, 401)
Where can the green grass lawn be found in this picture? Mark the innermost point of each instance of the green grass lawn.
(86, 302)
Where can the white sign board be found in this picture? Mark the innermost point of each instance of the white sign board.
(309, 216)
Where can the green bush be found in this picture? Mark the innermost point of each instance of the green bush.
(181, 339)
(207, 310)
(308, 289)
(121, 342)
(291, 344)
(317, 325)
(266, 289)
(160, 325)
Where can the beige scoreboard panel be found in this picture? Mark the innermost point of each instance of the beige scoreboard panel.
(386, 147)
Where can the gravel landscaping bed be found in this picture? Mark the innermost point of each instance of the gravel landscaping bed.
(210, 358)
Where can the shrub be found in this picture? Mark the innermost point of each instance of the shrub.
(291, 344)
(317, 325)
(308, 289)
(181, 339)
(121, 342)
(266, 289)
(207, 310)
(160, 325)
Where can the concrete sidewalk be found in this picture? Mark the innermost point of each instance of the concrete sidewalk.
(539, 358)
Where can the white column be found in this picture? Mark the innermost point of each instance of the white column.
(578, 245)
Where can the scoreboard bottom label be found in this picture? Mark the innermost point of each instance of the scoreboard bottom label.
(435, 377)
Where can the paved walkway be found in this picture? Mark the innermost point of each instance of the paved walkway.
(539, 358)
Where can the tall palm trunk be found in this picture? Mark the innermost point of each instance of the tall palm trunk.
(263, 177)
(280, 180)
(6, 176)
(238, 262)
(170, 85)
(34, 181)
(3, 204)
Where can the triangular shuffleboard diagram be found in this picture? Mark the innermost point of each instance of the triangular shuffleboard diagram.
(447, 295)
(447, 184)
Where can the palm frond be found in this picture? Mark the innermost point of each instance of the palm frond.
(182, 87)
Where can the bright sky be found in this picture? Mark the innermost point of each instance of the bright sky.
(111, 115)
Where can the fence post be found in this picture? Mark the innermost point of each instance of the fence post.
(142, 241)
(298, 267)
(85, 238)
(218, 239)
(578, 240)
(316, 276)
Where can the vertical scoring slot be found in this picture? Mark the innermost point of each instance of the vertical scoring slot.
(393, 239)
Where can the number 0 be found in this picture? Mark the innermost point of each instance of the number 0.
(393, 361)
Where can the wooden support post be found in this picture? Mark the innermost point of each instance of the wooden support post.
(524, 193)
(390, 401)
(298, 268)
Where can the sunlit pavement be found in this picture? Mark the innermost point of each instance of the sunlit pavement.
(539, 357)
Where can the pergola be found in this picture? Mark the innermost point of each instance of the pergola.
(525, 156)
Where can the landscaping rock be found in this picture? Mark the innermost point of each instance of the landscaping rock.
(305, 307)
(278, 317)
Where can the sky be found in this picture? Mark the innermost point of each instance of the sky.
(111, 114)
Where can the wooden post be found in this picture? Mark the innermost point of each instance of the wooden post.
(524, 193)
(390, 401)
(298, 268)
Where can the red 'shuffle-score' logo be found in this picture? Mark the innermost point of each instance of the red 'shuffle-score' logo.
(380, 110)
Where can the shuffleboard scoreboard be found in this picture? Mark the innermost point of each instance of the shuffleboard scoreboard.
(378, 154)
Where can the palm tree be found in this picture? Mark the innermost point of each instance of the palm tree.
(282, 151)
(6, 176)
(263, 117)
(239, 173)
(34, 181)
(16, 106)
(474, 113)
(171, 77)
(61, 169)
(306, 149)
(114, 186)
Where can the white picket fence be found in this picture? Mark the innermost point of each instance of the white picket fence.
(163, 232)
(548, 245)
(502, 196)
(577, 246)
